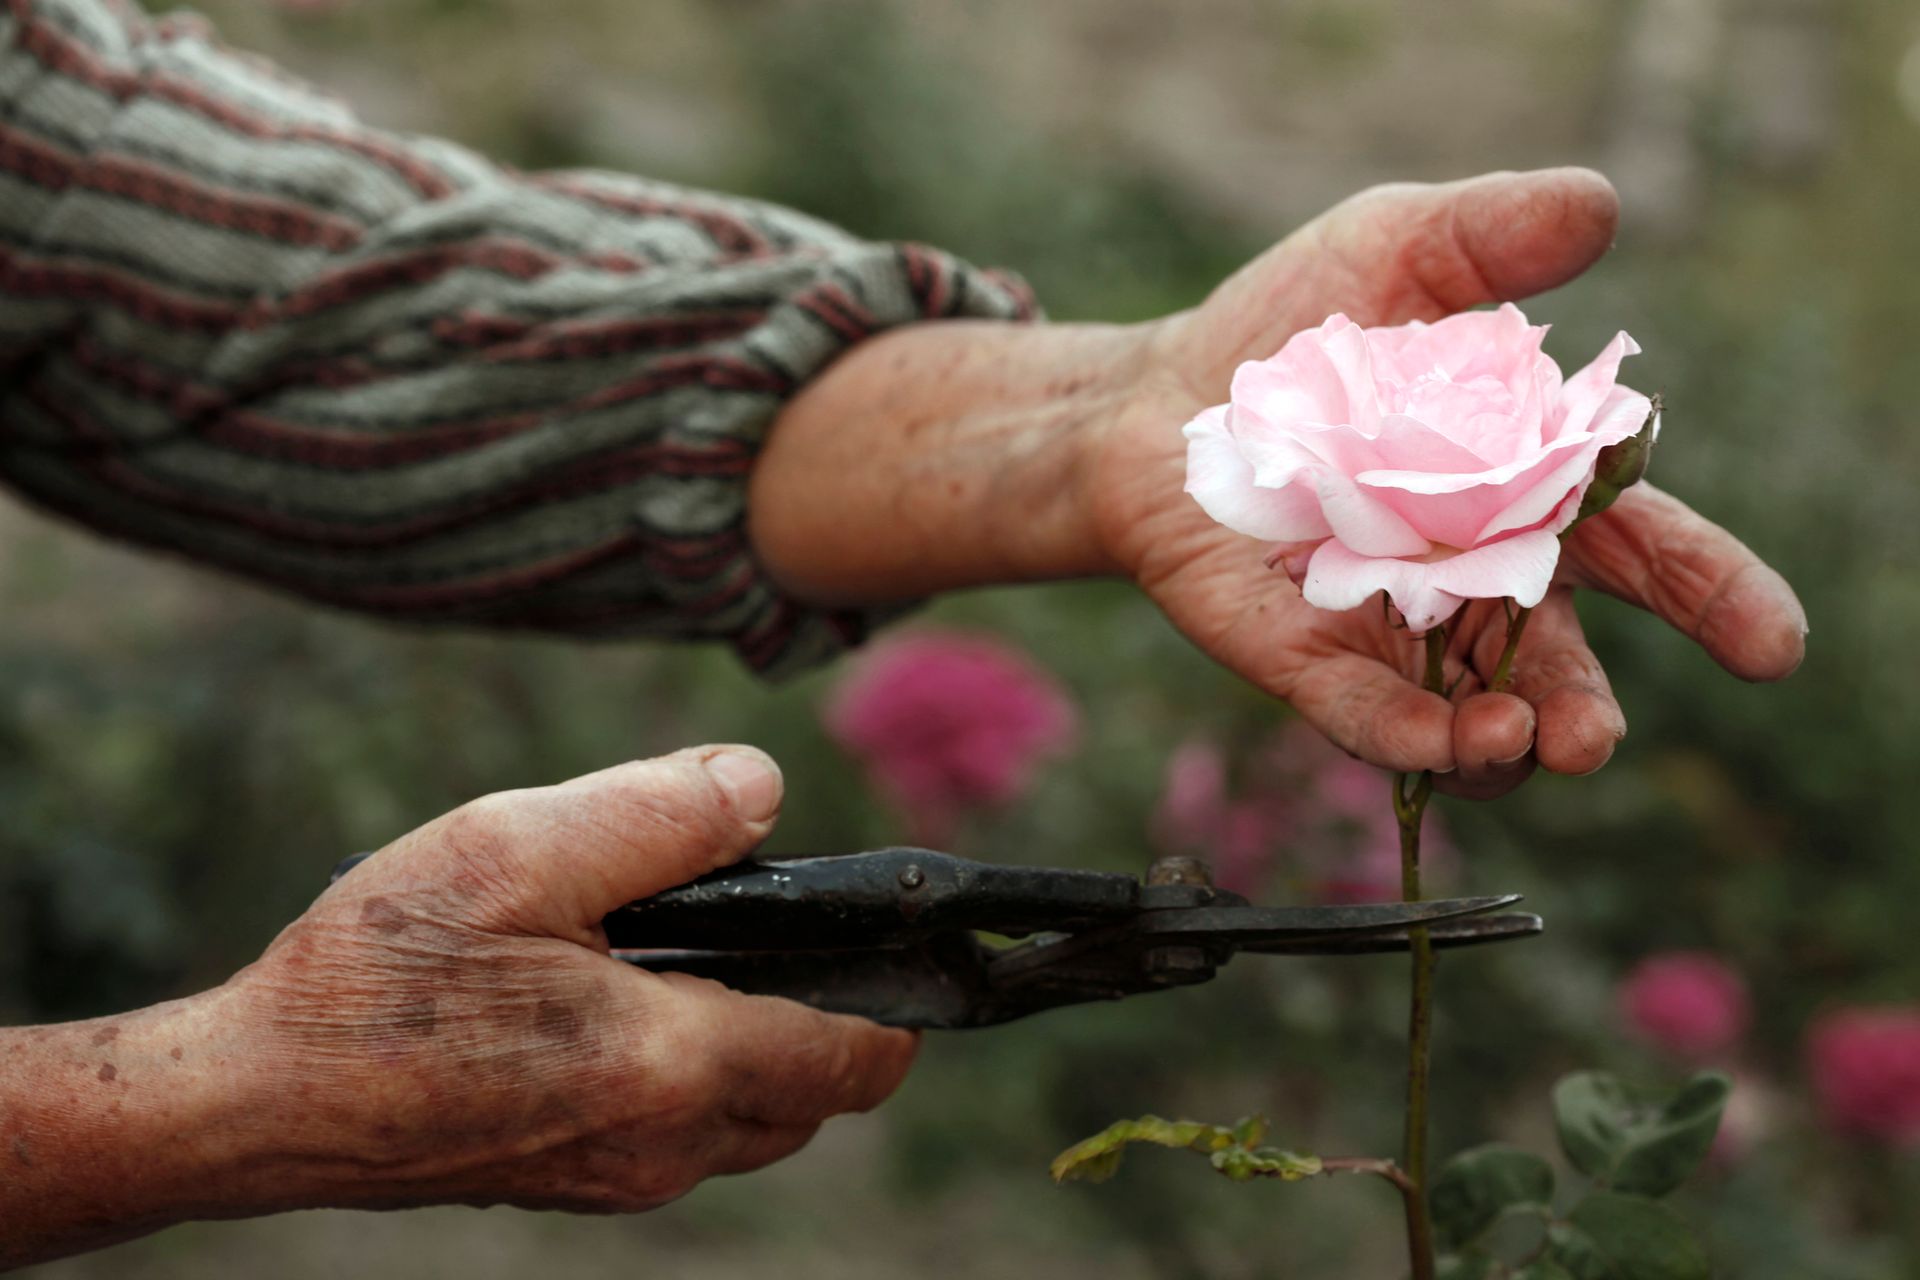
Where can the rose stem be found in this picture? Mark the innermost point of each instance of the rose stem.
(1410, 807)
(1503, 671)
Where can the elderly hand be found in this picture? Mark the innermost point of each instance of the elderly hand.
(445, 1025)
(961, 453)
(1388, 256)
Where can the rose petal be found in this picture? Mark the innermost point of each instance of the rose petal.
(1427, 592)
(1623, 413)
(1222, 481)
(1345, 344)
(1338, 579)
(1362, 521)
(1584, 393)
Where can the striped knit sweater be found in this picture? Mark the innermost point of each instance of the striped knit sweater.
(386, 374)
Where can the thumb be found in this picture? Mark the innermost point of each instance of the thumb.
(566, 855)
(1413, 251)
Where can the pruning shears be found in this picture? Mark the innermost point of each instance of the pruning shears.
(896, 935)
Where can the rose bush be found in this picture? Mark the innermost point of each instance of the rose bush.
(1437, 462)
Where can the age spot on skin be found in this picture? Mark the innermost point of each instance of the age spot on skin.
(559, 1021)
(174, 1053)
(380, 913)
(107, 1073)
(106, 1033)
(418, 1017)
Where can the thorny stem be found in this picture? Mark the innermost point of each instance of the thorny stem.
(1410, 807)
(1503, 671)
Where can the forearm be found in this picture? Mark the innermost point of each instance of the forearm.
(939, 456)
(118, 1126)
(383, 373)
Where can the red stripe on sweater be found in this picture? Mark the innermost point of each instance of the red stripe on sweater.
(49, 166)
(254, 433)
(728, 233)
(65, 56)
(229, 422)
(506, 339)
(107, 467)
(89, 283)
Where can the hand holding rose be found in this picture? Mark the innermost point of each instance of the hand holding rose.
(963, 453)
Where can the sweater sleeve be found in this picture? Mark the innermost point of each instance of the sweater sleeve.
(386, 374)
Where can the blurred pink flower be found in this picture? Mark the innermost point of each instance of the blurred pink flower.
(1239, 837)
(1865, 1068)
(949, 722)
(1686, 1003)
(1301, 797)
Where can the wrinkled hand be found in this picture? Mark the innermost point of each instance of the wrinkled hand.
(1388, 256)
(451, 1027)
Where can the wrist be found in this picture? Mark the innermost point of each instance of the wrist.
(116, 1126)
(944, 455)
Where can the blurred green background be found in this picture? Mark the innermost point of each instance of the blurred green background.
(183, 757)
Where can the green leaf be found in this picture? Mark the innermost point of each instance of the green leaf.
(1095, 1159)
(1630, 1143)
(1477, 1186)
(1472, 1266)
(1243, 1164)
(1233, 1151)
(1611, 1236)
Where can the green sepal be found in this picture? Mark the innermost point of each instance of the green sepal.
(1619, 467)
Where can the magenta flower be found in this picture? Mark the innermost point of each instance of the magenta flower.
(1865, 1069)
(1686, 1003)
(948, 723)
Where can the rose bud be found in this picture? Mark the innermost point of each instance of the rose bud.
(1620, 467)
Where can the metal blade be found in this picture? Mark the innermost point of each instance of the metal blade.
(1459, 932)
(1257, 927)
(1216, 932)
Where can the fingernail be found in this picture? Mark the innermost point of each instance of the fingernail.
(751, 780)
(1511, 759)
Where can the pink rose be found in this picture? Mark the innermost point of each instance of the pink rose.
(1436, 462)
(1687, 1003)
(947, 723)
(1865, 1067)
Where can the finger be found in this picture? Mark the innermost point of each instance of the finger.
(1492, 746)
(1499, 237)
(1578, 721)
(751, 1144)
(567, 855)
(782, 1063)
(1410, 251)
(1374, 712)
(1652, 550)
